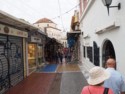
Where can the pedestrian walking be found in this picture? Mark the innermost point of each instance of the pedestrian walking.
(60, 55)
(97, 76)
(65, 52)
(56, 57)
(116, 81)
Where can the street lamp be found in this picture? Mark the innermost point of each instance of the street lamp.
(107, 3)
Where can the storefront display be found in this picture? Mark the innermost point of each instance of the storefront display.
(32, 55)
(40, 55)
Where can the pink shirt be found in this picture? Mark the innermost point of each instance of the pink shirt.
(95, 90)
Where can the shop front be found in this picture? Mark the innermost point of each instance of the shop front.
(32, 56)
(40, 55)
(50, 49)
(73, 45)
(11, 56)
(35, 53)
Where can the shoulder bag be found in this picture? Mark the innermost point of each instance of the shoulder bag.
(105, 90)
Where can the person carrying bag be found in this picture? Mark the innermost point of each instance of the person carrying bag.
(106, 91)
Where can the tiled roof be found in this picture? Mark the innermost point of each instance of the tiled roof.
(44, 20)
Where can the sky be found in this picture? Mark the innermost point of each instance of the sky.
(59, 11)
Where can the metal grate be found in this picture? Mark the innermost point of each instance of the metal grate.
(11, 62)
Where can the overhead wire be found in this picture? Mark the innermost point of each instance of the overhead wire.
(61, 15)
(70, 3)
(32, 10)
(66, 11)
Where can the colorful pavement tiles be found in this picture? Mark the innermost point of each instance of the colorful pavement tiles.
(66, 79)
(49, 68)
(68, 68)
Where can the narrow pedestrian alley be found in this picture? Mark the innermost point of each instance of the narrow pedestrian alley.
(49, 46)
(31, 56)
(66, 79)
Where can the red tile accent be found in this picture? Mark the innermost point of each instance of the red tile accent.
(36, 83)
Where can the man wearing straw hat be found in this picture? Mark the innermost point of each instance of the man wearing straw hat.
(97, 76)
(116, 81)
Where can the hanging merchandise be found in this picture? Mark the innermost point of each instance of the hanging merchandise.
(71, 42)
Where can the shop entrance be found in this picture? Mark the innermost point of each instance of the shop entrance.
(32, 54)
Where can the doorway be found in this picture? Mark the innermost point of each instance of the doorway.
(107, 51)
(96, 54)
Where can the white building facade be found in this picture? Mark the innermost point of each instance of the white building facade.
(103, 34)
(50, 28)
(64, 42)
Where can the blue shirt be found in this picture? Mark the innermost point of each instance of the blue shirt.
(115, 82)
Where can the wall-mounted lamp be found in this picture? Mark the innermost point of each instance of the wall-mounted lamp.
(107, 3)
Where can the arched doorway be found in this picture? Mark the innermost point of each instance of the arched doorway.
(107, 51)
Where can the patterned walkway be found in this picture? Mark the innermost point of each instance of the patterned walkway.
(48, 68)
(68, 68)
(67, 79)
(36, 83)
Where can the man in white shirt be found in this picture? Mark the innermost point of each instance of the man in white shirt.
(116, 81)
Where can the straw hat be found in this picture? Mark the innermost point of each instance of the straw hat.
(97, 75)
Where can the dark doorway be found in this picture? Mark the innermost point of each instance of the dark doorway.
(89, 53)
(108, 51)
(96, 54)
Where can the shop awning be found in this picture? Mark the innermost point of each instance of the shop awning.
(10, 20)
(52, 41)
(74, 34)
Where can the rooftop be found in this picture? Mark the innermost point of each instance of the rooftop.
(44, 20)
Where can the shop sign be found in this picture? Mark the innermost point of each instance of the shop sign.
(35, 39)
(12, 31)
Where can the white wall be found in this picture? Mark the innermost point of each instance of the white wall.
(53, 32)
(96, 17)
